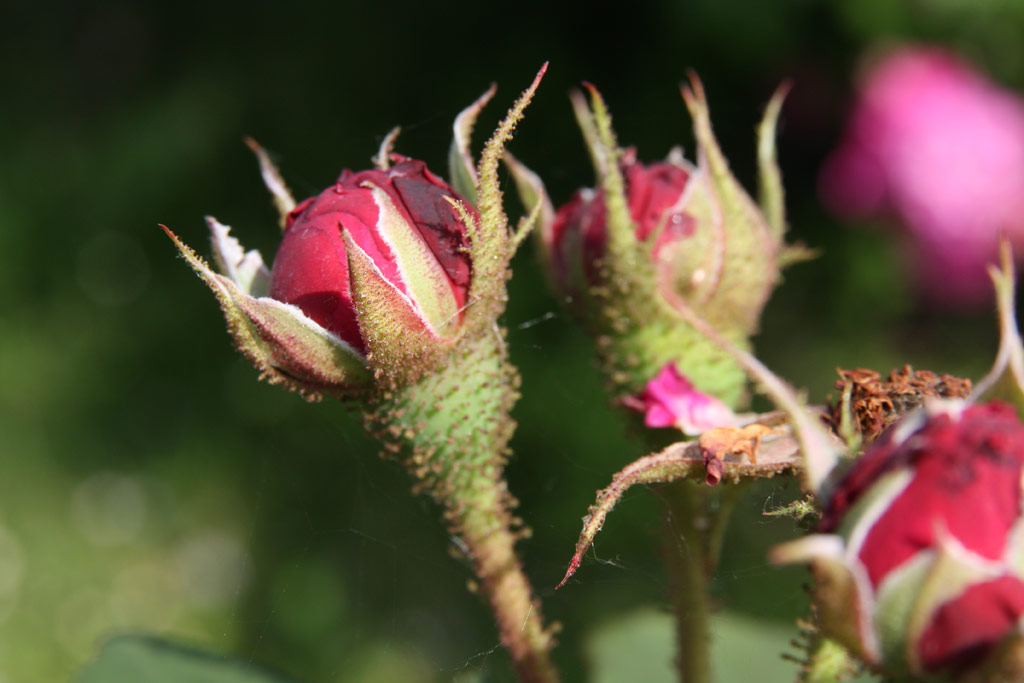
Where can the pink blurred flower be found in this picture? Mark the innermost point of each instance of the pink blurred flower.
(671, 400)
(940, 146)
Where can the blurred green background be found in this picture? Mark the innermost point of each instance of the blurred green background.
(149, 482)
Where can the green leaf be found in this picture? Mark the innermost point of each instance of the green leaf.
(639, 646)
(133, 659)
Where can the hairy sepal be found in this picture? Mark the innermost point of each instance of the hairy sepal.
(492, 248)
(1006, 378)
(284, 344)
(750, 270)
(401, 344)
(534, 198)
(427, 285)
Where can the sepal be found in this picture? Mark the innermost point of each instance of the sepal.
(426, 283)
(284, 202)
(394, 331)
(461, 169)
(282, 342)
(750, 251)
(540, 213)
(1006, 378)
(245, 268)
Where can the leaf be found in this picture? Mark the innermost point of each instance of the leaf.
(639, 645)
(133, 659)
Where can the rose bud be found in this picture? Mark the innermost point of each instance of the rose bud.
(379, 258)
(404, 228)
(918, 560)
(651, 234)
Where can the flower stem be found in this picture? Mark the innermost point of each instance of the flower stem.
(451, 431)
(490, 545)
(695, 521)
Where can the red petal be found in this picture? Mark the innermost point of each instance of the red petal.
(963, 630)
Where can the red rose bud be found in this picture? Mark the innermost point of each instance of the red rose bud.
(920, 547)
(408, 233)
(375, 262)
(652, 235)
(371, 284)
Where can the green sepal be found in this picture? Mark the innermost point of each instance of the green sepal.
(750, 268)
(244, 268)
(681, 460)
(1006, 378)
(427, 284)
(401, 346)
(284, 202)
(588, 126)
(534, 198)
(842, 592)
(461, 169)
(624, 258)
(869, 508)
(491, 246)
(771, 195)
(285, 346)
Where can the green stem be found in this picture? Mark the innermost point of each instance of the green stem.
(451, 431)
(490, 544)
(693, 540)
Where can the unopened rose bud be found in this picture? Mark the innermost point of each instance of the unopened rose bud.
(920, 552)
(579, 233)
(405, 227)
(651, 237)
